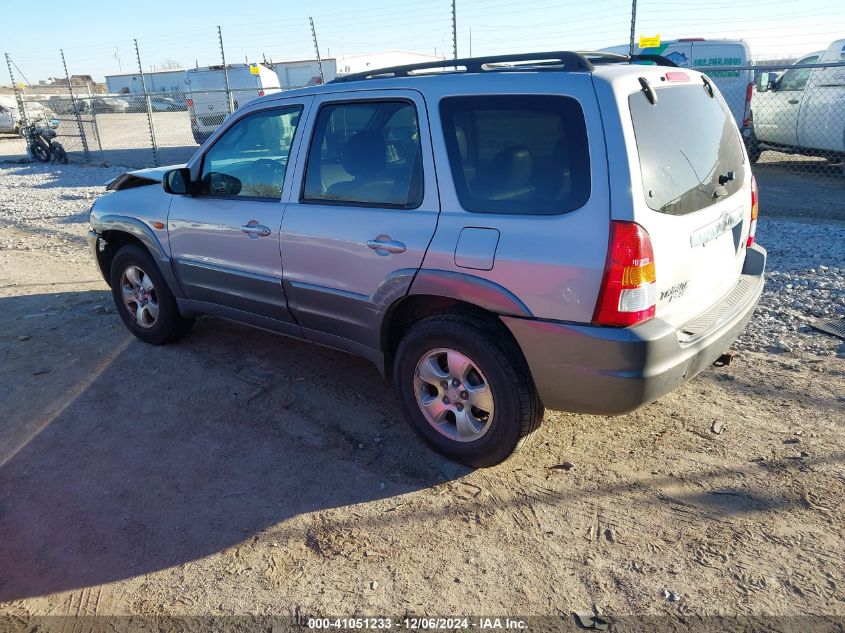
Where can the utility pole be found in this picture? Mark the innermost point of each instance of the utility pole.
(225, 71)
(633, 27)
(117, 57)
(75, 109)
(454, 31)
(317, 50)
(149, 105)
(18, 95)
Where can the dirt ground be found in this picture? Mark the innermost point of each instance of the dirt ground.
(238, 472)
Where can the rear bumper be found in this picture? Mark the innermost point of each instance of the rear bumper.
(609, 371)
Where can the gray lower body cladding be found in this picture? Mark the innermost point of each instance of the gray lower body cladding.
(610, 371)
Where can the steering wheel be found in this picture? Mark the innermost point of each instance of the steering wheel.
(266, 173)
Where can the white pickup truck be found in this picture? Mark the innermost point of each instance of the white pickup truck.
(9, 118)
(801, 111)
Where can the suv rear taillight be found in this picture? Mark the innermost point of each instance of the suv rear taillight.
(628, 292)
(755, 211)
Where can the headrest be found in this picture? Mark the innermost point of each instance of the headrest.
(461, 138)
(513, 166)
(365, 154)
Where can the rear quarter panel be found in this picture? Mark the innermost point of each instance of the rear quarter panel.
(554, 264)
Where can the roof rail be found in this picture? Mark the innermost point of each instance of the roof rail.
(604, 57)
(548, 61)
(570, 61)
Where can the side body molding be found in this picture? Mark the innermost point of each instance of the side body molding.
(470, 288)
(145, 235)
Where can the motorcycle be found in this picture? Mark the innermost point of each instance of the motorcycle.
(41, 143)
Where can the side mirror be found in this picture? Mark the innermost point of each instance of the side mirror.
(764, 82)
(177, 181)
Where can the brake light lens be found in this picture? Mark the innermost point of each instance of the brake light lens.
(629, 290)
(755, 211)
(189, 103)
(746, 116)
(676, 75)
(260, 93)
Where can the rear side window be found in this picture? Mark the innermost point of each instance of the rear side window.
(688, 146)
(518, 154)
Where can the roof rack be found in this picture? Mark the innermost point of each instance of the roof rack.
(604, 57)
(547, 61)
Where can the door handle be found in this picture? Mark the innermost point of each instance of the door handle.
(793, 101)
(256, 230)
(384, 245)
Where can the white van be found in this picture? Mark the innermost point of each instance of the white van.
(802, 111)
(206, 97)
(707, 56)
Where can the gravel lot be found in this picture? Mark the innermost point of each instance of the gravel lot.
(238, 472)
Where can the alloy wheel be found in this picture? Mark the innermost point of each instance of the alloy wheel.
(454, 395)
(139, 296)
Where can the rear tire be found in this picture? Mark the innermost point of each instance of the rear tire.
(40, 151)
(143, 300)
(466, 388)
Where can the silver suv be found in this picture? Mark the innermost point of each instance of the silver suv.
(574, 231)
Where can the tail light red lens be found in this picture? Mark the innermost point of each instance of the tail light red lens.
(260, 93)
(746, 116)
(755, 211)
(629, 290)
(189, 103)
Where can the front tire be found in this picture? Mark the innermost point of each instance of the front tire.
(143, 300)
(59, 152)
(466, 388)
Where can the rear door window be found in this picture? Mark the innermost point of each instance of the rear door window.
(689, 148)
(366, 154)
(519, 154)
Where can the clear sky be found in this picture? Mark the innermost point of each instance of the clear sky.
(97, 36)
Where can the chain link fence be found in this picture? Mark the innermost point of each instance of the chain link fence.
(796, 118)
(792, 118)
(137, 130)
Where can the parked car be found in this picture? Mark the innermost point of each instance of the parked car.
(802, 110)
(712, 57)
(64, 105)
(10, 119)
(158, 103)
(208, 104)
(102, 105)
(9, 116)
(467, 232)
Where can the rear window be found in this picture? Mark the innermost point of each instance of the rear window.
(688, 144)
(520, 154)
